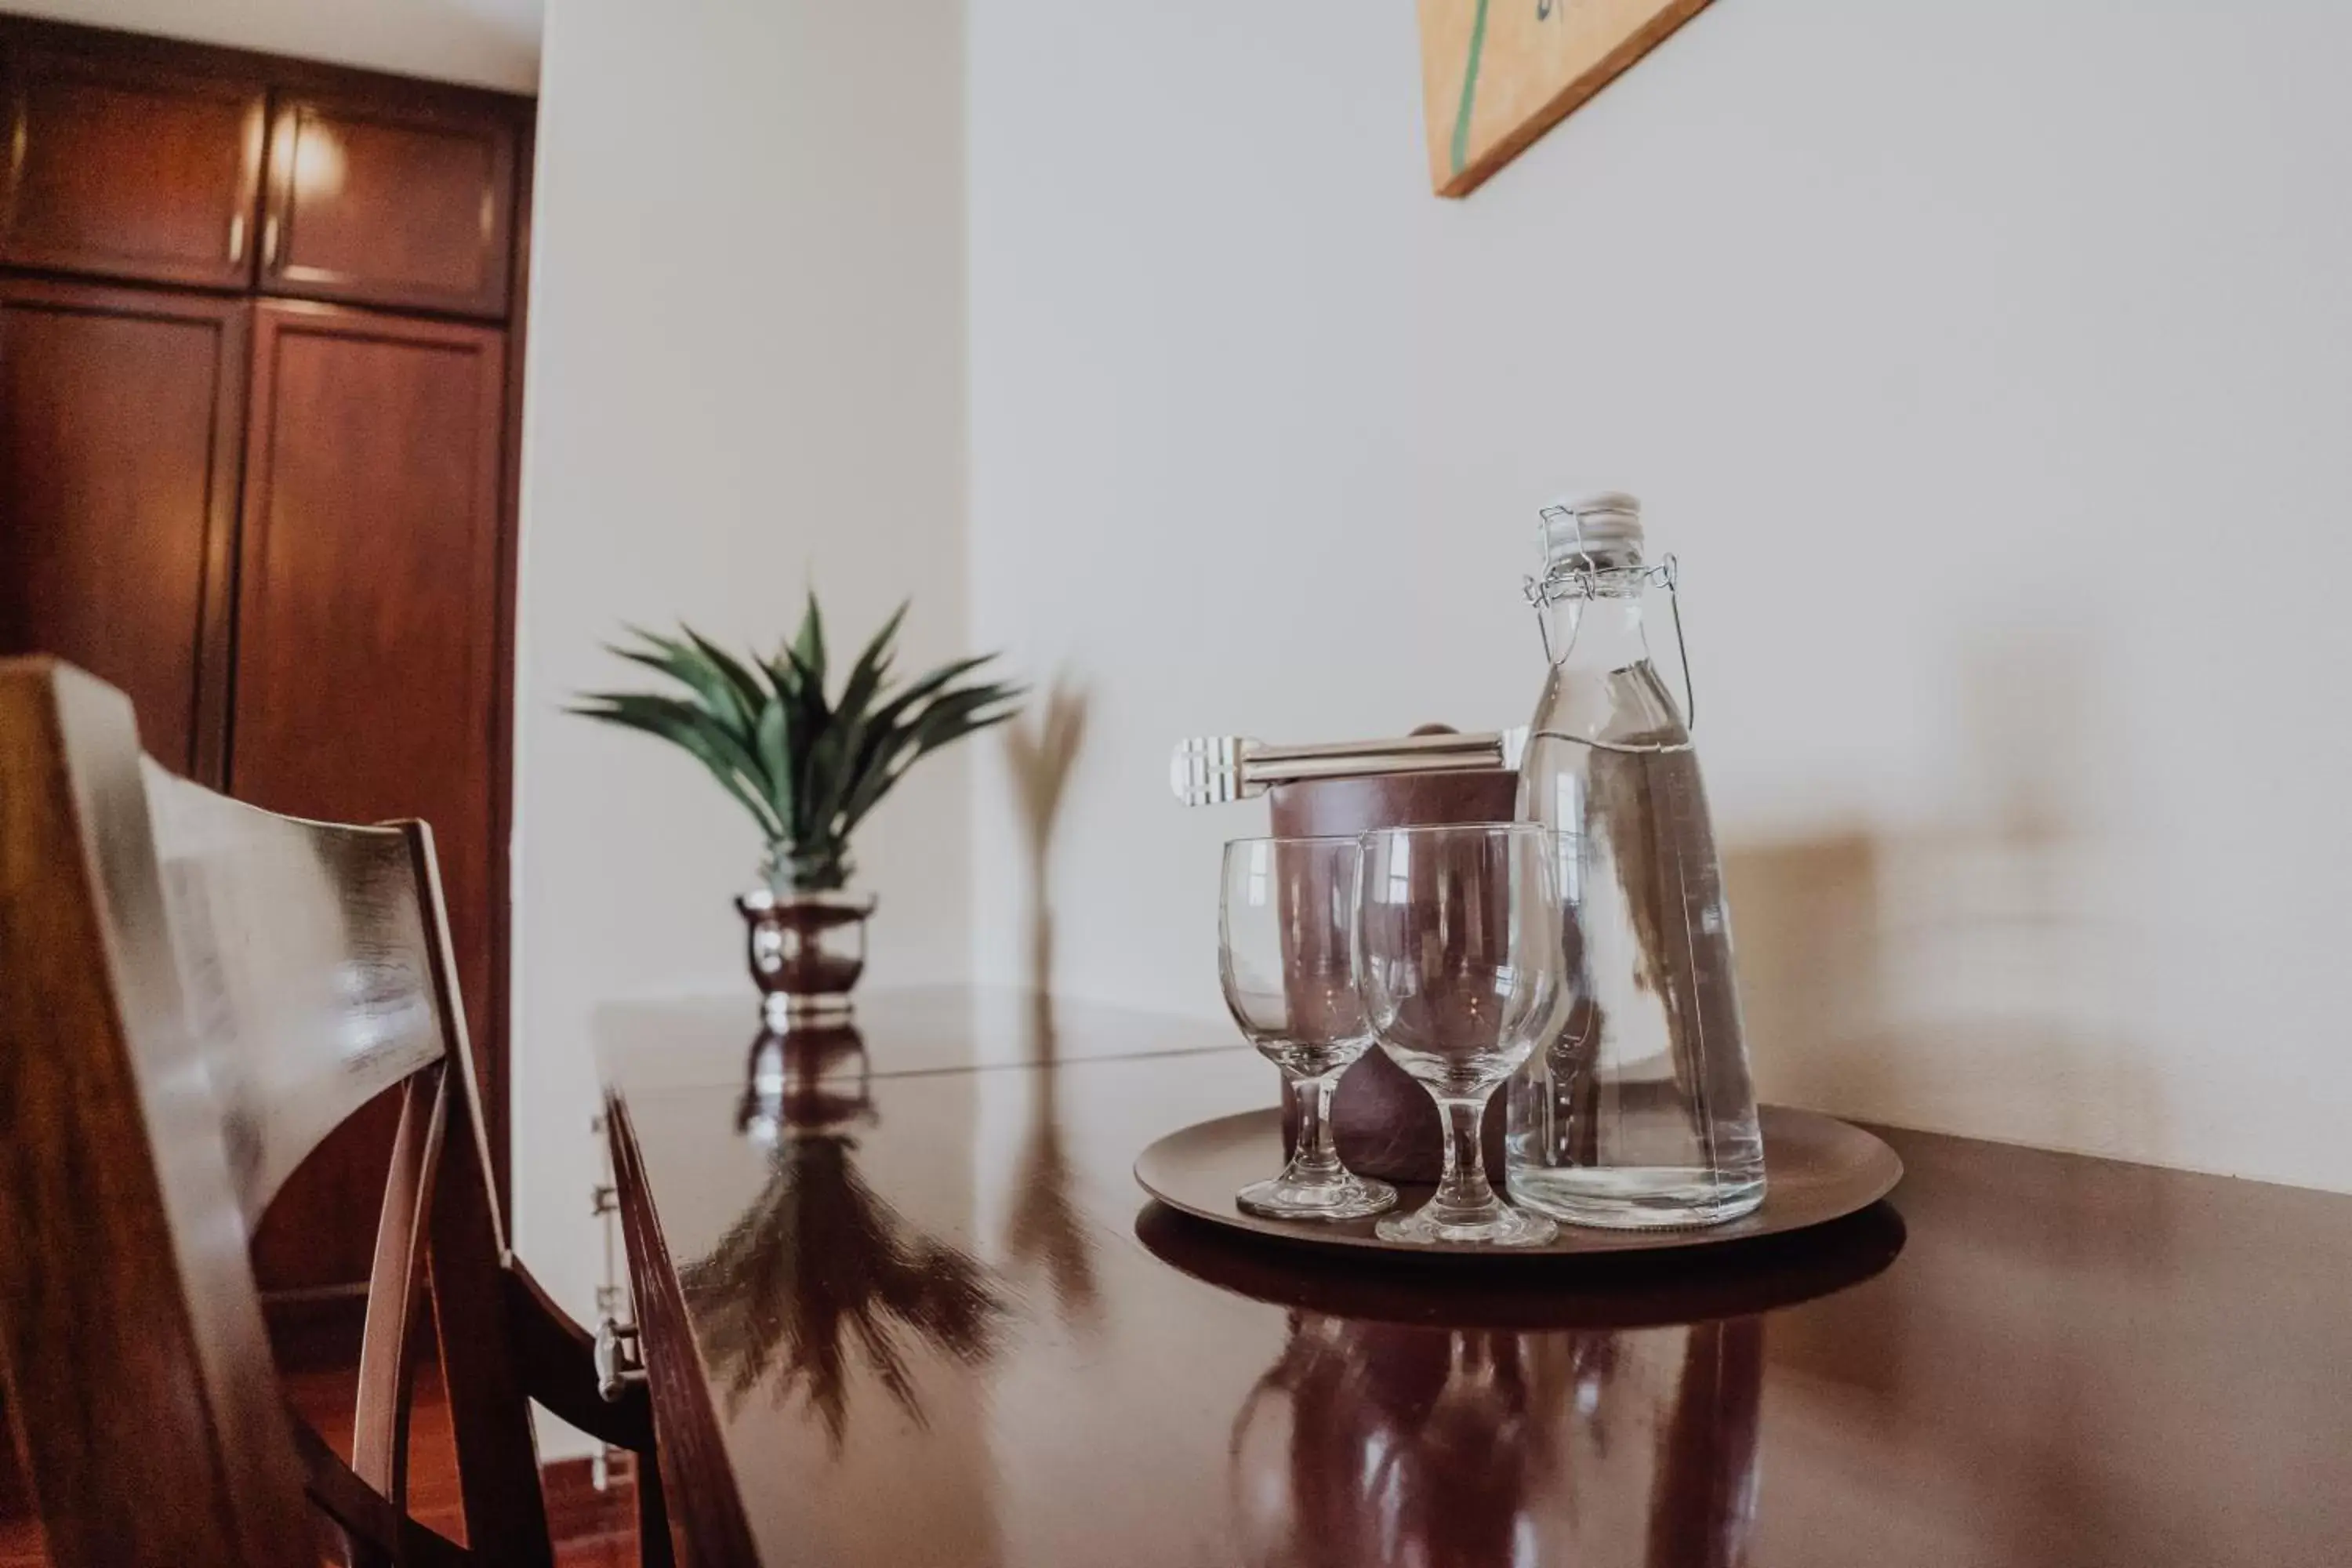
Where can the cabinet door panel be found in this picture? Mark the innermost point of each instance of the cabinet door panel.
(120, 412)
(128, 171)
(366, 680)
(390, 207)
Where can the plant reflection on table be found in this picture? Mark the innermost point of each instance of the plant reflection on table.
(821, 1259)
(1370, 1444)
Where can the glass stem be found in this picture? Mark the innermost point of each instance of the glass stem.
(1464, 1194)
(1316, 1158)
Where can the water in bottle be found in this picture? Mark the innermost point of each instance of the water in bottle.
(1639, 1112)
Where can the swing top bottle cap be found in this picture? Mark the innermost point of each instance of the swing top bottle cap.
(1606, 523)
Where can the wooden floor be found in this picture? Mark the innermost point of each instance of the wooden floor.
(592, 1529)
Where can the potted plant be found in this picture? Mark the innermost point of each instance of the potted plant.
(808, 767)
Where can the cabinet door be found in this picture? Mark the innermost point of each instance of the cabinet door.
(123, 169)
(366, 654)
(120, 417)
(390, 205)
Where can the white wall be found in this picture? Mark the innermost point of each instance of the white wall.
(1990, 367)
(746, 373)
(488, 43)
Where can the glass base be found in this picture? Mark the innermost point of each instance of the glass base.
(1347, 1197)
(1635, 1198)
(1500, 1225)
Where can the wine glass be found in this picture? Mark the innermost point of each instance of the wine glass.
(1459, 960)
(1286, 955)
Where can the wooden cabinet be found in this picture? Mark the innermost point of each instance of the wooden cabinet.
(138, 159)
(268, 488)
(367, 609)
(368, 586)
(122, 169)
(388, 206)
(121, 413)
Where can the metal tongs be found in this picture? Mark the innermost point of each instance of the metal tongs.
(1209, 770)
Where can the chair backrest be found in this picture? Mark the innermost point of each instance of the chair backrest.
(194, 994)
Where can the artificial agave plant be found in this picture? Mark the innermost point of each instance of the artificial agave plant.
(808, 768)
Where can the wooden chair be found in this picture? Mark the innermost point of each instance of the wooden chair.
(194, 994)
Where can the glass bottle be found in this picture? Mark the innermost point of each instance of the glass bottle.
(1640, 1112)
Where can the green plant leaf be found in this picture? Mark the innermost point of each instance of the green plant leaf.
(684, 726)
(809, 725)
(915, 692)
(886, 720)
(683, 665)
(740, 681)
(962, 720)
(809, 647)
(782, 678)
(722, 733)
(776, 757)
(806, 767)
(947, 716)
(803, 684)
(950, 716)
(846, 739)
(867, 675)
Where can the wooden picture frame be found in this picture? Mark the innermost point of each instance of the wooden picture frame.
(1496, 74)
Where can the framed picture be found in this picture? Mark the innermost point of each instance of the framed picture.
(1496, 74)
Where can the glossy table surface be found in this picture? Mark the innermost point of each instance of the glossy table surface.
(935, 1322)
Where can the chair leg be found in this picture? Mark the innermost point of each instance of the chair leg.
(653, 1548)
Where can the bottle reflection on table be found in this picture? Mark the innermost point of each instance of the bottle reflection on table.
(821, 1273)
(1370, 1445)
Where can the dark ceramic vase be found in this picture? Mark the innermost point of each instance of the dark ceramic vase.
(806, 952)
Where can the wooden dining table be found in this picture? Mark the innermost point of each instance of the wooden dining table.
(902, 1303)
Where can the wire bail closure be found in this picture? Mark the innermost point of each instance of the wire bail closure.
(1580, 578)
